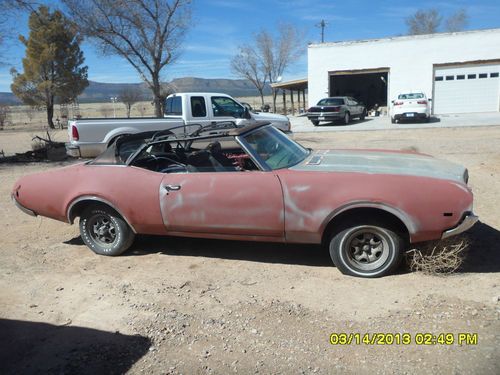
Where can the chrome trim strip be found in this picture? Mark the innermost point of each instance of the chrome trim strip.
(22, 208)
(469, 220)
(96, 199)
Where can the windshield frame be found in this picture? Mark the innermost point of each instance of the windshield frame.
(260, 162)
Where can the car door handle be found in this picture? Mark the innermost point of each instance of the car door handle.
(172, 187)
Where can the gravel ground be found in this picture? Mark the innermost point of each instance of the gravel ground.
(173, 305)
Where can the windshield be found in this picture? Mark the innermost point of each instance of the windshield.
(331, 101)
(275, 148)
(411, 96)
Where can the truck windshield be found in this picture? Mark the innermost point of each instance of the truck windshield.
(275, 148)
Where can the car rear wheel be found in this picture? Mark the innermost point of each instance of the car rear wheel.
(367, 250)
(104, 231)
(347, 118)
(315, 122)
(363, 115)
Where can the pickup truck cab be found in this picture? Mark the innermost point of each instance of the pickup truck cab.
(90, 137)
(211, 108)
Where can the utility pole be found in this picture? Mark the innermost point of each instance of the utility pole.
(322, 24)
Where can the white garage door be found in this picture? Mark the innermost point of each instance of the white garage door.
(465, 89)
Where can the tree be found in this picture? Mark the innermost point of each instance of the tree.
(53, 68)
(429, 22)
(147, 33)
(457, 21)
(266, 59)
(129, 96)
(424, 22)
(278, 53)
(248, 65)
(4, 115)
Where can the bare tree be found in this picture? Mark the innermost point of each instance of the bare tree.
(248, 65)
(4, 115)
(278, 53)
(457, 21)
(147, 33)
(424, 22)
(129, 96)
(430, 21)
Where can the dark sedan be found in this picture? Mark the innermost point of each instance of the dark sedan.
(338, 108)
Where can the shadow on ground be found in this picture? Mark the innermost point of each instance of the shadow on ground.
(308, 255)
(483, 255)
(40, 348)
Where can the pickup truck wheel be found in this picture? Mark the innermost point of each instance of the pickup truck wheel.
(366, 250)
(104, 231)
(315, 122)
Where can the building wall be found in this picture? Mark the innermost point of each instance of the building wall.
(410, 58)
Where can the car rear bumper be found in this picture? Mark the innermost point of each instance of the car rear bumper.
(73, 151)
(467, 222)
(21, 207)
(411, 115)
(326, 116)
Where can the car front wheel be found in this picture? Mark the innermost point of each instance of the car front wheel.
(104, 231)
(315, 122)
(366, 250)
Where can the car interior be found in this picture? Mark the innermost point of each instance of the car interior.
(208, 155)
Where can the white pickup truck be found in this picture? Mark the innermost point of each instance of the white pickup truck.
(90, 137)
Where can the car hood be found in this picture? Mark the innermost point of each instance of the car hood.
(382, 162)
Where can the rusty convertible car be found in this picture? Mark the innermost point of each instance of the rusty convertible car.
(255, 183)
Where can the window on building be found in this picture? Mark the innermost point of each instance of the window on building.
(493, 75)
(471, 76)
(483, 75)
(461, 76)
(439, 78)
(450, 78)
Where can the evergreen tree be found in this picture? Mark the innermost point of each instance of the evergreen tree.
(53, 70)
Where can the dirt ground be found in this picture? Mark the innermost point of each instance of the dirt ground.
(173, 305)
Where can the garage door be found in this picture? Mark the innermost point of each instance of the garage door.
(465, 89)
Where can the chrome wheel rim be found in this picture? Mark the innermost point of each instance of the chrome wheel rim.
(102, 229)
(366, 249)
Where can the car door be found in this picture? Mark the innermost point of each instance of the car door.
(224, 109)
(239, 203)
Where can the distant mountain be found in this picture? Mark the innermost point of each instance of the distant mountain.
(102, 92)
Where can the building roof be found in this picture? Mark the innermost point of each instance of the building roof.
(298, 84)
(402, 38)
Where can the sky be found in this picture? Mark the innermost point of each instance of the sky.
(219, 27)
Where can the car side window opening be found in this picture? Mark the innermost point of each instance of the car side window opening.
(206, 155)
(223, 106)
(173, 106)
(198, 108)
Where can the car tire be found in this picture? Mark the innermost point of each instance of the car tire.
(393, 120)
(315, 122)
(428, 119)
(363, 115)
(366, 249)
(104, 231)
(347, 118)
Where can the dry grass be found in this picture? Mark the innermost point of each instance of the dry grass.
(443, 257)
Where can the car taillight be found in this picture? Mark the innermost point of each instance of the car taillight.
(335, 109)
(74, 133)
(422, 102)
(398, 103)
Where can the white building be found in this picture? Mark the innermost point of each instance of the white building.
(459, 71)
